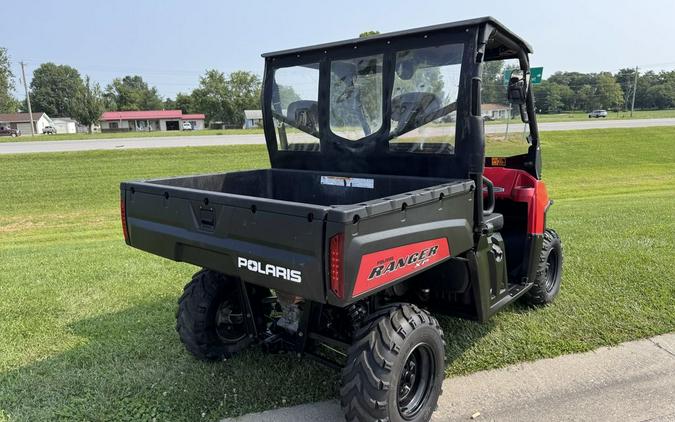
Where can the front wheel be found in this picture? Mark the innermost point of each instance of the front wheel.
(212, 319)
(395, 367)
(549, 270)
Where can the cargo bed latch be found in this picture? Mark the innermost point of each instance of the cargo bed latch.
(207, 219)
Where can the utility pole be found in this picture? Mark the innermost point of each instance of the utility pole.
(30, 110)
(632, 105)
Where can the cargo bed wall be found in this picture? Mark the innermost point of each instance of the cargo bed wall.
(304, 186)
(420, 230)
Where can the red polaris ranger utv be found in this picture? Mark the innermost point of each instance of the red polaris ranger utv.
(380, 205)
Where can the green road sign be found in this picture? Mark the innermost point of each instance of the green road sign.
(507, 76)
(536, 74)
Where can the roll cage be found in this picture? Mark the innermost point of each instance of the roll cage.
(482, 39)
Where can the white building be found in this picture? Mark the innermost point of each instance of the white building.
(21, 121)
(64, 125)
(495, 111)
(151, 120)
(252, 118)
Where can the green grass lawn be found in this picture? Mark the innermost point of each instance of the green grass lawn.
(109, 135)
(87, 323)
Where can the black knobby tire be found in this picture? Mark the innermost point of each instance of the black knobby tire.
(379, 383)
(549, 270)
(211, 317)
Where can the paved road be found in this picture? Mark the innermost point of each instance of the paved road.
(631, 382)
(197, 141)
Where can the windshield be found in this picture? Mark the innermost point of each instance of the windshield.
(424, 99)
(356, 97)
(404, 100)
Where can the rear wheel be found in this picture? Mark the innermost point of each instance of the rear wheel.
(395, 367)
(211, 318)
(549, 271)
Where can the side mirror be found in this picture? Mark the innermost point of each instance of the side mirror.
(517, 90)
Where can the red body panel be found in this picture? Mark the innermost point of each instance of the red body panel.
(520, 186)
(382, 267)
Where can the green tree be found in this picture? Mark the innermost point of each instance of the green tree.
(608, 92)
(8, 104)
(492, 84)
(626, 78)
(244, 94)
(549, 97)
(212, 97)
(655, 90)
(54, 88)
(89, 104)
(586, 99)
(562, 97)
(661, 95)
(367, 34)
(132, 93)
(287, 94)
(185, 103)
(169, 104)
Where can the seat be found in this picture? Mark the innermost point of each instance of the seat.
(494, 222)
(303, 114)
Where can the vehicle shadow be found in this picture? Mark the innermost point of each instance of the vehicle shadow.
(130, 365)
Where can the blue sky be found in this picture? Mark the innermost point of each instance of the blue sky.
(170, 43)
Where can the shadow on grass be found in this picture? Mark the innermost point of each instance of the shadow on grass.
(131, 366)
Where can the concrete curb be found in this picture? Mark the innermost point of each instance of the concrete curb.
(634, 381)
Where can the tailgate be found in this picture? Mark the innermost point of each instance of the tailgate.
(267, 242)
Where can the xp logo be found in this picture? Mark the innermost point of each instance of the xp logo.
(269, 269)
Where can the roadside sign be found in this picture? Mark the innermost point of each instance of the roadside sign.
(507, 76)
(536, 74)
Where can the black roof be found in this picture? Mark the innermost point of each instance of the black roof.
(451, 25)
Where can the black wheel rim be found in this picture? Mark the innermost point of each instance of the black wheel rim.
(552, 270)
(230, 324)
(417, 379)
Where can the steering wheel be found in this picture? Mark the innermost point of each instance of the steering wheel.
(411, 108)
(349, 90)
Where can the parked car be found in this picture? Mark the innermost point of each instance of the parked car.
(8, 131)
(597, 114)
(187, 126)
(49, 130)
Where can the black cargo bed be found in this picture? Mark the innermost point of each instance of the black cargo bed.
(337, 196)
(286, 217)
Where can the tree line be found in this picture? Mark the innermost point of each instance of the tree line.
(60, 91)
(576, 91)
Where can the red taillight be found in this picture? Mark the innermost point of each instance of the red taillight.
(336, 254)
(123, 214)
